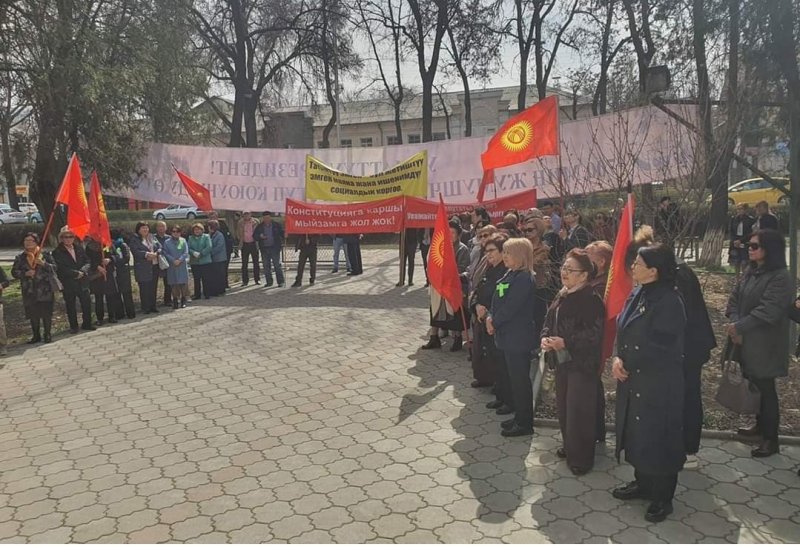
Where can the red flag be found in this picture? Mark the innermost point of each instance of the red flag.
(99, 229)
(73, 195)
(619, 283)
(196, 191)
(442, 268)
(530, 134)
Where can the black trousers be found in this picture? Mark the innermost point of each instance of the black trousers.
(657, 487)
(147, 295)
(72, 311)
(250, 250)
(354, 254)
(502, 381)
(409, 256)
(308, 254)
(110, 301)
(600, 426)
(692, 407)
(423, 250)
(127, 304)
(200, 277)
(519, 374)
(768, 418)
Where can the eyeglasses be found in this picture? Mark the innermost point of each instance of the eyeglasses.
(570, 270)
(753, 246)
(529, 231)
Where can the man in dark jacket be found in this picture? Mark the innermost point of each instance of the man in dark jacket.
(573, 234)
(741, 226)
(307, 245)
(73, 270)
(270, 237)
(764, 218)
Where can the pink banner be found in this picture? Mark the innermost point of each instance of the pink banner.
(352, 218)
(421, 213)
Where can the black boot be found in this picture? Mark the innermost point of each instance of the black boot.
(766, 449)
(35, 328)
(457, 343)
(175, 304)
(433, 343)
(48, 323)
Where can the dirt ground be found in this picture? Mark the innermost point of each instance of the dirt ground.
(716, 288)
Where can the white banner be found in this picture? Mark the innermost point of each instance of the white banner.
(600, 153)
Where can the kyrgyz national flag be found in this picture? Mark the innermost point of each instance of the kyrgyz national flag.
(530, 134)
(73, 195)
(619, 283)
(196, 191)
(99, 229)
(442, 268)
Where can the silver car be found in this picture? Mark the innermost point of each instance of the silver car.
(11, 216)
(179, 211)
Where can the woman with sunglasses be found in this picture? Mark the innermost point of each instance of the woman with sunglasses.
(145, 249)
(572, 340)
(758, 309)
(176, 251)
(36, 271)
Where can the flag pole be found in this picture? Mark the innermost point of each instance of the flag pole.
(55, 204)
(403, 247)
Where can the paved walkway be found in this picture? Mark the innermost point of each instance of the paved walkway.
(310, 416)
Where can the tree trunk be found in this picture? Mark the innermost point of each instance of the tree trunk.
(523, 82)
(8, 166)
(467, 106)
(249, 114)
(427, 107)
(48, 170)
(236, 120)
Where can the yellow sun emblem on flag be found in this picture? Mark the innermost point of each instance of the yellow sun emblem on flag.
(517, 137)
(437, 249)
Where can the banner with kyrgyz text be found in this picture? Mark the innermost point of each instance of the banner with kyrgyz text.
(421, 213)
(353, 218)
(408, 178)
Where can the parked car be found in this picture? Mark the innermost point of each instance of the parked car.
(27, 207)
(36, 218)
(11, 216)
(179, 211)
(751, 191)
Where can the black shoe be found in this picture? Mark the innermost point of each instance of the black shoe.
(113, 321)
(506, 424)
(88, 327)
(35, 340)
(155, 310)
(334, 271)
(561, 452)
(183, 303)
(257, 282)
(433, 343)
(76, 330)
(47, 339)
(504, 410)
(494, 405)
(517, 431)
(244, 284)
(631, 491)
(578, 471)
(175, 305)
(457, 344)
(98, 323)
(753, 431)
(410, 283)
(311, 282)
(268, 284)
(296, 284)
(766, 449)
(476, 383)
(350, 273)
(658, 511)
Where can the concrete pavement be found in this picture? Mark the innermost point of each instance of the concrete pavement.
(309, 415)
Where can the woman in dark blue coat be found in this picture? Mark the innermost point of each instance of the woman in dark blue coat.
(648, 366)
(511, 321)
(145, 250)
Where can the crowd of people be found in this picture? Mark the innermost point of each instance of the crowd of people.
(535, 289)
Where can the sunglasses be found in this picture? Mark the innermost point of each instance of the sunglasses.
(753, 246)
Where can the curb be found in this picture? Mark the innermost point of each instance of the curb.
(790, 440)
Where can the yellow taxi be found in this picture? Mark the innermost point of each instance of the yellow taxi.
(751, 191)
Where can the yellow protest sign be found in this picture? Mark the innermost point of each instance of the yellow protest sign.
(408, 178)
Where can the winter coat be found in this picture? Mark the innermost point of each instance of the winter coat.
(142, 267)
(699, 337)
(69, 269)
(218, 251)
(578, 318)
(277, 234)
(38, 288)
(747, 230)
(649, 413)
(121, 256)
(512, 312)
(177, 249)
(306, 242)
(100, 284)
(759, 307)
(200, 244)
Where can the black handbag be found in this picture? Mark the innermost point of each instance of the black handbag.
(735, 392)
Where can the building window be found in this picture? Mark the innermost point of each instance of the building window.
(439, 136)
(414, 139)
(366, 142)
(490, 131)
(392, 140)
(346, 143)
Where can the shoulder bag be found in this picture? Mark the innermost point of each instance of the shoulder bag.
(735, 392)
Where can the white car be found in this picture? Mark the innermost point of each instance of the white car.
(11, 216)
(178, 211)
(27, 207)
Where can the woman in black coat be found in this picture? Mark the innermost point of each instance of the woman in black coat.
(488, 362)
(758, 309)
(648, 366)
(121, 256)
(145, 250)
(511, 323)
(36, 271)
